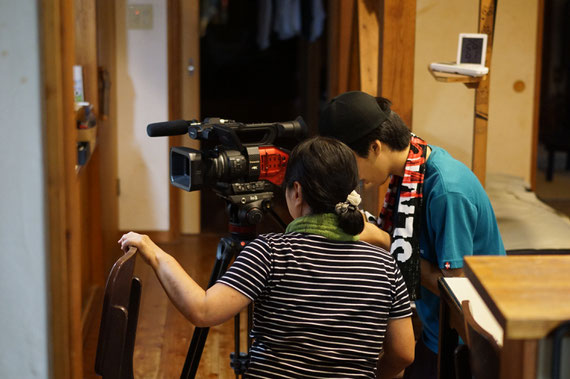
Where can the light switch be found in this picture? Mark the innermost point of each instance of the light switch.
(139, 16)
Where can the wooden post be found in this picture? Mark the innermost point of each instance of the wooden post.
(62, 190)
(396, 71)
(190, 101)
(537, 86)
(369, 14)
(108, 150)
(386, 31)
(175, 72)
(369, 51)
(487, 9)
(342, 47)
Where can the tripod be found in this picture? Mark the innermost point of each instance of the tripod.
(244, 215)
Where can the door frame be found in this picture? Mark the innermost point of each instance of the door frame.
(183, 50)
(56, 16)
(70, 314)
(537, 89)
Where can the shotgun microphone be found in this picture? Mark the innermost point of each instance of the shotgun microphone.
(168, 128)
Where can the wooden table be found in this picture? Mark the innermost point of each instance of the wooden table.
(529, 296)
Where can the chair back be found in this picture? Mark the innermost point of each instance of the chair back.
(119, 318)
(557, 337)
(484, 352)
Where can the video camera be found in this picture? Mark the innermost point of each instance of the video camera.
(241, 164)
(238, 161)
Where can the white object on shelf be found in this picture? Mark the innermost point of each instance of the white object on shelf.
(78, 84)
(471, 53)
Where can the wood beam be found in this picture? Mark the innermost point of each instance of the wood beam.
(369, 49)
(537, 90)
(343, 71)
(369, 52)
(108, 146)
(190, 68)
(174, 58)
(487, 9)
(63, 239)
(396, 63)
(397, 43)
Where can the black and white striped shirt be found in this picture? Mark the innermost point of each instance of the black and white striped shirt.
(321, 306)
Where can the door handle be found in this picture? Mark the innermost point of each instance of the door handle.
(191, 68)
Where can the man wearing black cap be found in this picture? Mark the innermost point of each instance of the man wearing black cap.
(435, 211)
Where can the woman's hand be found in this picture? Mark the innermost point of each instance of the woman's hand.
(146, 247)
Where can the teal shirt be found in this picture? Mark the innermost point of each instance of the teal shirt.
(458, 221)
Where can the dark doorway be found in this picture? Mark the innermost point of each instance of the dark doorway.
(553, 174)
(249, 82)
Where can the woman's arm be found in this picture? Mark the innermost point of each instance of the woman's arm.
(203, 308)
(398, 350)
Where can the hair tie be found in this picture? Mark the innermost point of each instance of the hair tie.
(353, 198)
(352, 201)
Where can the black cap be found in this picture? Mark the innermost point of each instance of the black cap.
(351, 116)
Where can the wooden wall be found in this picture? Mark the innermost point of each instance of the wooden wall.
(371, 48)
(443, 112)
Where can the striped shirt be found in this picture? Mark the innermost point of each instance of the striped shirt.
(321, 306)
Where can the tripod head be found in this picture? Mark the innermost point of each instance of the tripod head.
(246, 211)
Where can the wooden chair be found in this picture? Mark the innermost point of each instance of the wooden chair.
(559, 333)
(118, 328)
(481, 356)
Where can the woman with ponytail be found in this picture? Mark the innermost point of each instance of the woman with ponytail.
(326, 304)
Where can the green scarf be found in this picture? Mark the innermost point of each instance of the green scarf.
(325, 224)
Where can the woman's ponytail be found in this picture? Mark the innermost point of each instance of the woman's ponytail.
(349, 217)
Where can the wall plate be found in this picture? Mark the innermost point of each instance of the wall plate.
(139, 16)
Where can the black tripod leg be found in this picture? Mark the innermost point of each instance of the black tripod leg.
(249, 325)
(237, 353)
(226, 251)
(239, 360)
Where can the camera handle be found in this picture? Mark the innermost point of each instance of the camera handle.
(229, 247)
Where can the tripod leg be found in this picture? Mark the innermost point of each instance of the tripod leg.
(226, 251)
(239, 360)
(237, 353)
(249, 325)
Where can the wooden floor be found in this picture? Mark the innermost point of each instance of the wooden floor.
(163, 335)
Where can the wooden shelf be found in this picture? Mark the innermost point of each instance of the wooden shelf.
(88, 135)
(86, 143)
(86, 123)
(446, 77)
